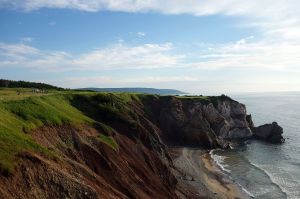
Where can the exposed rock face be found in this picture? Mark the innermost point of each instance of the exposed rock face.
(249, 121)
(212, 123)
(183, 122)
(234, 121)
(269, 132)
(203, 123)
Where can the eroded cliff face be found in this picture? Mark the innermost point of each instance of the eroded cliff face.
(84, 167)
(203, 122)
(137, 165)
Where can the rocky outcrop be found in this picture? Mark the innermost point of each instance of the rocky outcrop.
(269, 132)
(208, 123)
(233, 120)
(184, 123)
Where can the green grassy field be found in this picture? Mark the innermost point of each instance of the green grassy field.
(7, 94)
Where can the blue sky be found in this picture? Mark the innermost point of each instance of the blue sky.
(200, 46)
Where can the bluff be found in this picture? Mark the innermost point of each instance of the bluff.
(209, 122)
(203, 121)
(108, 145)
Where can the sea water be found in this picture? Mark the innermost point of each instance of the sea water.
(268, 171)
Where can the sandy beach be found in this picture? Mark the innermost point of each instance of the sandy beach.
(195, 168)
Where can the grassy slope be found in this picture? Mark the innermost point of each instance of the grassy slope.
(23, 115)
(24, 112)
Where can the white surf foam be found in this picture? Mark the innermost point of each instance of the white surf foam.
(220, 162)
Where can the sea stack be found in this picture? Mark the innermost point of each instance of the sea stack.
(269, 132)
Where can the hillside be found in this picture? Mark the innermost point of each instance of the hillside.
(138, 90)
(76, 144)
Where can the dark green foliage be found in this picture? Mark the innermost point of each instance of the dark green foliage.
(23, 84)
(110, 109)
(104, 107)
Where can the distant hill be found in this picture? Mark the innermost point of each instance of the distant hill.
(138, 90)
(23, 84)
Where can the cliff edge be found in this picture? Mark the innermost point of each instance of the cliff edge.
(105, 145)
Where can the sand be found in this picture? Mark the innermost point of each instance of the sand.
(196, 169)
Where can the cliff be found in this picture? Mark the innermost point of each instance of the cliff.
(203, 121)
(104, 145)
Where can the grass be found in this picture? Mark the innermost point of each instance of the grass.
(21, 116)
(14, 141)
(106, 107)
(22, 111)
(7, 94)
(109, 141)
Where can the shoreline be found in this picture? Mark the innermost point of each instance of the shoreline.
(196, 169)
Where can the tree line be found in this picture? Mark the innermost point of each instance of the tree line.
(23, 84)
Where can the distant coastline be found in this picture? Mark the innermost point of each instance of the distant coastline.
(137, 90)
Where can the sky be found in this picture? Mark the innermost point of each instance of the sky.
(197, 46)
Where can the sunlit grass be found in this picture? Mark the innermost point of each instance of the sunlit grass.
(19, 117)
(22, 111)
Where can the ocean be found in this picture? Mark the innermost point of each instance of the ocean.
(267, 171)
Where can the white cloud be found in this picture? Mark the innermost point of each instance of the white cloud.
(277, 20)
(195, 7)
(141, 34)
(268, 10)
(9, 51)
(24, 55)
(106, 81)
(146, 79)
(122, 56)
(26, 39)
(118, 56)
(240, 54)
(279, 48)
(244, 54)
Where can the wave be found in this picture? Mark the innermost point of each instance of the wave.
(271, 177)
(219, 161)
